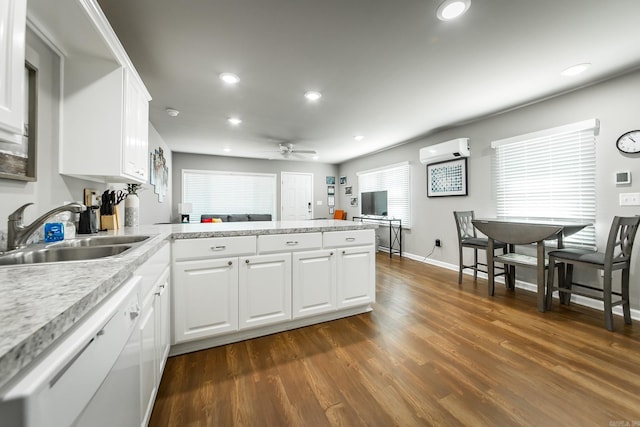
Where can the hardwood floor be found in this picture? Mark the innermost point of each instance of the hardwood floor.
(430, 353)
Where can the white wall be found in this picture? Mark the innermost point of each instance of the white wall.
(51, 189)
(613, 102)
(151, 209)
(235, 164)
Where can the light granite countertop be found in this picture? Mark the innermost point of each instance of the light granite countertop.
(41, 302)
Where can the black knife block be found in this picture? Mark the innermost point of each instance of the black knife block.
(88, 223)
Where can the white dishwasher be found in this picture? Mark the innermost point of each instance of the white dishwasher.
(82, 370)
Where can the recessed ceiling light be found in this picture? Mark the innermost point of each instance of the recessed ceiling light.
(229, 78)
(172, 112)
(574, 70)
(316, 157)
(451, 9)
(226, 149)
(313, 95)
(234, 121)
(358, 137)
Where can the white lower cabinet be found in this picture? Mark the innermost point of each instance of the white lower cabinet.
(314, 282)
(148, 380)
(356, 276)
(163, 321)
(264, 290)
(153, 328)
(229, 288)
(205, 298)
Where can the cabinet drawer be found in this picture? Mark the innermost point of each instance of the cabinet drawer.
(214, 247)
(333, 239)
(289, 242)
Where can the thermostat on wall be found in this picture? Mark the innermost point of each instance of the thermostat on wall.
(623, 178)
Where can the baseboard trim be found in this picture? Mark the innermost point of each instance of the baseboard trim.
(532, 287)
(237, 336)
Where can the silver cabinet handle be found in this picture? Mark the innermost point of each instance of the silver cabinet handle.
(292, 242)
(350, 239)
(135, 312)
(218, 248)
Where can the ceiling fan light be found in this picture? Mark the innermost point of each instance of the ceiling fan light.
(229, 78)
(312, 95)
(452, 9)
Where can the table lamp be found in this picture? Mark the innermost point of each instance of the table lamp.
(184, 209)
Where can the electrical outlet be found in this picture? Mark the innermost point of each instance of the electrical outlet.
(629, 199)
(438, 243)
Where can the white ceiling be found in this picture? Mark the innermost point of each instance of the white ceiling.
(389, 70)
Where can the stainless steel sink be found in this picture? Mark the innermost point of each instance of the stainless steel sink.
(60, 254)
(99, 241)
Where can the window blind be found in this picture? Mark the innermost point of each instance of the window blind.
(219, 192)
(395, 179)
(550, 174)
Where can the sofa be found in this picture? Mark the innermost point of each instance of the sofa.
(235, 217)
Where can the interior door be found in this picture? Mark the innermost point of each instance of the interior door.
(296, 196)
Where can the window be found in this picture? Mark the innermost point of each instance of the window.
(396, 180)
(217, 192)
(550, 174)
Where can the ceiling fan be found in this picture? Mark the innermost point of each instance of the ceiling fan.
(286, 150)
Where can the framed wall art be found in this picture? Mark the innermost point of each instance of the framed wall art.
(448, 178)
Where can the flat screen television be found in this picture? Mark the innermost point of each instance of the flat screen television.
(374, 203)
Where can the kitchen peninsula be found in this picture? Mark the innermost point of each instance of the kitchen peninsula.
(42, 303)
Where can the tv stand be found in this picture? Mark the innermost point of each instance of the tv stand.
(395, 231)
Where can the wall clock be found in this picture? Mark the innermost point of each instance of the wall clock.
(629, 142)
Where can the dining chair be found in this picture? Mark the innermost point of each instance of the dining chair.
(467, 238)
(616, 256)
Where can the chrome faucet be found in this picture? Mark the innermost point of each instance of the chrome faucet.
(18, 233)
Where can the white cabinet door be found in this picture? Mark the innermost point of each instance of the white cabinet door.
(110, 105)
(148, 370)
(264, 289)
(356, 276)
(205, 298)
(163, 329)
(136, 131)
(13, 15)
(314, 282)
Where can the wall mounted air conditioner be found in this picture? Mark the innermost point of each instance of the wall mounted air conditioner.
(450, 150)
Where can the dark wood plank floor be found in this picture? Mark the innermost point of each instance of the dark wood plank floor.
(431, 353)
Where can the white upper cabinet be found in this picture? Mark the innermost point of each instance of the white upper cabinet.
(105, 105)
(12, 50)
